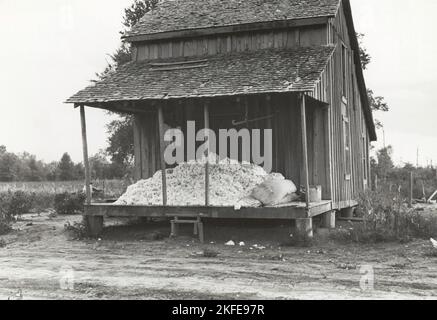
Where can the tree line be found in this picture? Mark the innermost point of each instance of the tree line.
(26, 167)
(397, 177)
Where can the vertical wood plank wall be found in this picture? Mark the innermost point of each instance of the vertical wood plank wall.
(217, 44)
(146, 146)
(330, 90)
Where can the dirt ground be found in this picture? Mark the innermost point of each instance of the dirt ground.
(39, 260)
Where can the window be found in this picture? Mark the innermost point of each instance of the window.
(344, 64)
(346, 141)
(365, 141)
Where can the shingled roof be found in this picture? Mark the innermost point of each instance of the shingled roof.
(263, 71)
(176, 15)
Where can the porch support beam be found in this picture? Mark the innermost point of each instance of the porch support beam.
(162, 151)
(305, 148)
(85, 155)
(206, 120)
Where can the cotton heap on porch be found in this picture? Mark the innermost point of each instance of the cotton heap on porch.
(231, 184)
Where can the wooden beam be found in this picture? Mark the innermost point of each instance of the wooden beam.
(206, 119)
(305, 147)
(265, 213)
(281, 24)
(162, 151)
(85, 156)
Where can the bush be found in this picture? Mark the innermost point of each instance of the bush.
(77, 230)
(21, 202)
(5, 227)
(386, 217)
(43, 201)
(69, 203)
(423, 225)
(14, 204)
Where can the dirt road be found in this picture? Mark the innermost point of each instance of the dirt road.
(39, 261)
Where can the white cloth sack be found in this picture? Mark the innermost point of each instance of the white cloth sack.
(274, 191)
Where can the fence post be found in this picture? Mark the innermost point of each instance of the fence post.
(410, 198)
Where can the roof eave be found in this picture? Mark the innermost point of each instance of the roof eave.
(78, 102)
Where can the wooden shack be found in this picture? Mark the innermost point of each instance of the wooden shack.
(292, 66)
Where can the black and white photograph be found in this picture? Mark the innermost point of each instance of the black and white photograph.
(253, 151)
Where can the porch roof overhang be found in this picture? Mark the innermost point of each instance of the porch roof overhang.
(263, 71)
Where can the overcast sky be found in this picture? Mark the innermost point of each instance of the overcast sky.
(52, 48)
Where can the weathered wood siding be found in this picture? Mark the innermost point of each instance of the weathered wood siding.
(217, 44)
(349, 137)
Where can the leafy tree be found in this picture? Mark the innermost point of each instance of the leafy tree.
(121, 138)
(384, 164)
(132, 15)
(52, 171)
(9, 166)
(66, 168)
(364, 55)
(120, 131)
(30, 168)
(79, 171)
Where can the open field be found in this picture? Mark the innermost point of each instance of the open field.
(41, 261)
(111, 188)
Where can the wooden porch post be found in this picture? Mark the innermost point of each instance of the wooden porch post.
(274, 127)
(305, 148)
(206, 118)
(162, 151)
(85, 156)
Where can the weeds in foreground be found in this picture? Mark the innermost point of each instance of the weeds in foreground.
(387, 217)
(77, 230)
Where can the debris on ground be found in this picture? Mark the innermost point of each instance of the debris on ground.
(242, 244)
(52, 214)
(230, 243)
(256, 246)
(17, 296)
(434, 243)
(347, 266)
(273, 257)
(207, 253)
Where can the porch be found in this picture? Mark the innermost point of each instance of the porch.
(223, 92)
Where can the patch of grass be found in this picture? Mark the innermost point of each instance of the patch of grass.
(111, 188)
